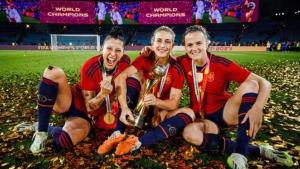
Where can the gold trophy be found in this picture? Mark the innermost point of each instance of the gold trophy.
(139, 112)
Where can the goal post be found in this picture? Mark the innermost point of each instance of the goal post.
(75, 42)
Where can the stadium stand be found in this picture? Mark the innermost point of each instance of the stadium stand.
(269, 31)
(222, 34)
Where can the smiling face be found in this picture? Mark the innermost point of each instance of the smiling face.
(112, 51)
(162, 44)
(196, 45)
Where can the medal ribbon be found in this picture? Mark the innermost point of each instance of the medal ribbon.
(107, 100)
(200, 91)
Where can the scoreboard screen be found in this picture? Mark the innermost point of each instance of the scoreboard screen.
(130, 12)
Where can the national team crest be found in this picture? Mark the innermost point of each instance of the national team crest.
(172, 130)
(168, 79)
(211, 77)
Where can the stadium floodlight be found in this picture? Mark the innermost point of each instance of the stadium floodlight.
(75, 42)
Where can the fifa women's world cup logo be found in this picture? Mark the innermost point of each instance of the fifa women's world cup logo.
(139, 112)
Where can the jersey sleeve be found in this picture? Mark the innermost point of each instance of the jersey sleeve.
(237, 73)
(86, 76)
(124, 62)
(139, 63)
(178, 77)
(183, 64)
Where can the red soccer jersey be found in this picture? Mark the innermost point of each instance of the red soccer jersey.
(175, 76)
(222, 71)
(91, 76)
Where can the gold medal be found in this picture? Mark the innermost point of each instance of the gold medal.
(109, 118)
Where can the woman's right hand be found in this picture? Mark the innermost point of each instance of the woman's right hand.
(106, 87)
(127, 117)
(147, 51)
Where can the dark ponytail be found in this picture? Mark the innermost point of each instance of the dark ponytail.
(115, 33)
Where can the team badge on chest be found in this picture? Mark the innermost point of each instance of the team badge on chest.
(211, 77)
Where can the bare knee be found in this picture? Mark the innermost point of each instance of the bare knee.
(249, 86)
(77, 124)
(77, 129)
(193, 133)
(187, 111)
(55, 74)
(210, 127)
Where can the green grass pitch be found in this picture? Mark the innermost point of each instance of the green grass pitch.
(23, 62)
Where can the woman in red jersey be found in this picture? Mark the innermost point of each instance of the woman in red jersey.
(88, 99)
(208, 77)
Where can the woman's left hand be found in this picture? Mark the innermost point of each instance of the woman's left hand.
(150, 100)
(255, 116)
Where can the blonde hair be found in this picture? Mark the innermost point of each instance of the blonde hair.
(166, 29)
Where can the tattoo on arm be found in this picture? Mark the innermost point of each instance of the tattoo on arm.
(100, 102)
(88, 95)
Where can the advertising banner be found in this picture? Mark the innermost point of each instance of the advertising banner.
(165, 12)
(67, 12)
(129, 12)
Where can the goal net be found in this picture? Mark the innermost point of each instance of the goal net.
(75, 42)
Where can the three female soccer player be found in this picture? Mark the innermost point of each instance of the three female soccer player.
(211, 108)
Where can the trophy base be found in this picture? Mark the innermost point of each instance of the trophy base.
(139, 121)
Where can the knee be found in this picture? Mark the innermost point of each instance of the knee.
(77, 132)
(187, 111)
(70, 127)
(77, 124)
(250, 86)
(211, 127)
(54, 73)
(137, 76)
(193, 134)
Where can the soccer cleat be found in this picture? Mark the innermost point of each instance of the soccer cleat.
(26, 126)
(39, 142)
(281, 157)
(132, 143)
(237, 161)
(111, 142)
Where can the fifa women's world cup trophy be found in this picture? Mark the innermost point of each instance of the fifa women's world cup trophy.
(139, 112)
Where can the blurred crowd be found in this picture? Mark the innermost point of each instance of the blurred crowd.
(271, 46)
